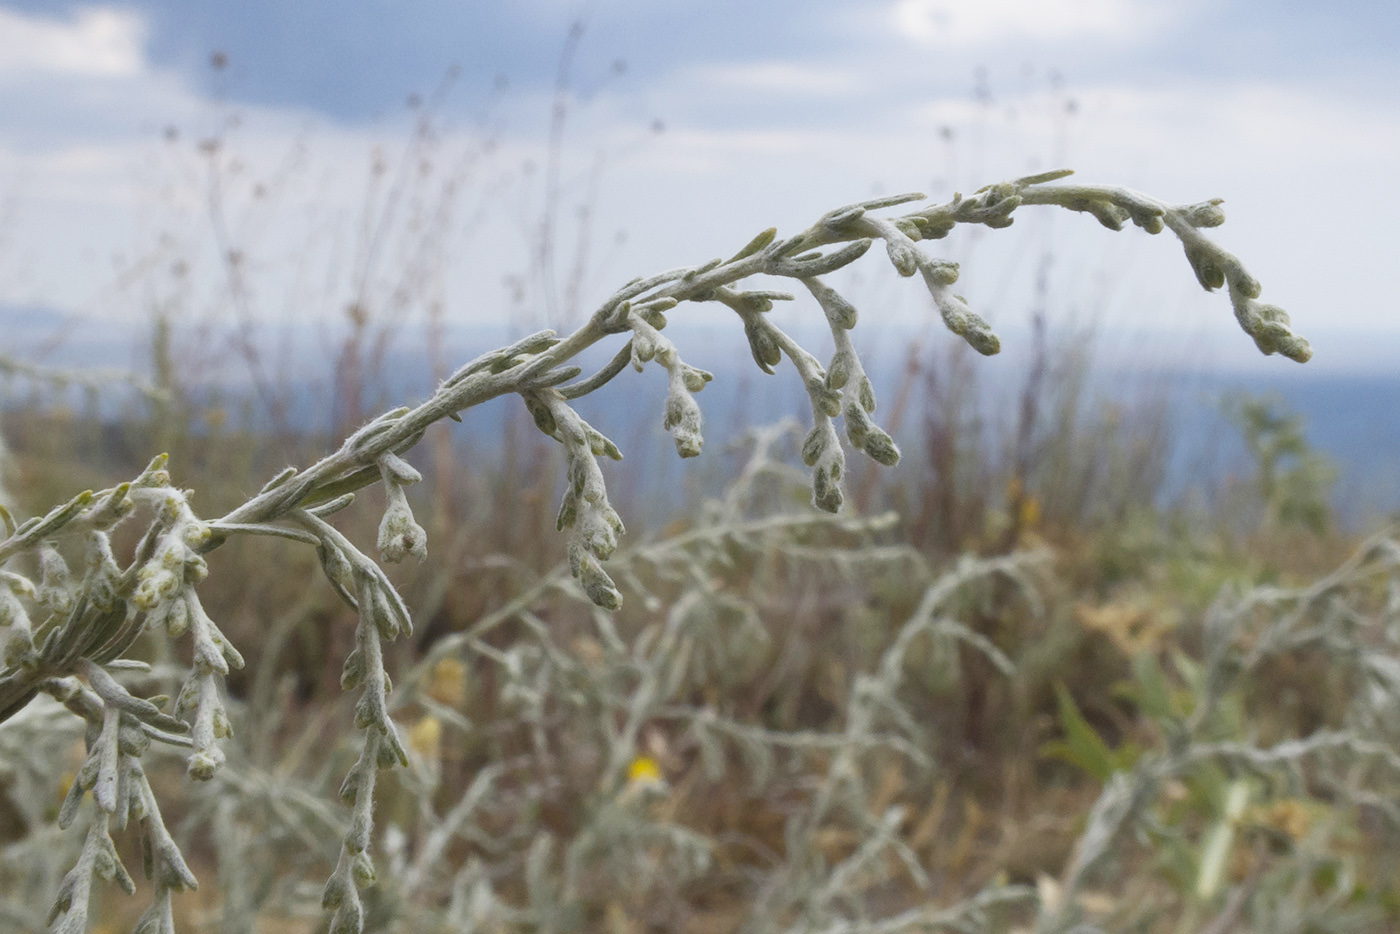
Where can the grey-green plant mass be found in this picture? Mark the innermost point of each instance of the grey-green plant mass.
(74, 604)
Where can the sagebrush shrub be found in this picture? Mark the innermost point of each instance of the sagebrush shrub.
(69, 629)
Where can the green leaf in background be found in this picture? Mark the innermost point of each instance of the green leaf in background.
(1082, 746)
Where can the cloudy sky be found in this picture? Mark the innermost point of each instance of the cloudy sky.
(398, 155)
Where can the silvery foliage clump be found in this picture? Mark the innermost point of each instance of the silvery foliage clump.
(612, 702)
(70, 628)
(1351, 618)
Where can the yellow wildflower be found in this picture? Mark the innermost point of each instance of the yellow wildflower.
(644, 770)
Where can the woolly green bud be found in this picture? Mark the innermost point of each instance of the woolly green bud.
(223, 728)
(1208, 273)
(939, 271)
(386, 621)
(1269, 326)
(399, 533)
(568, 511)
(599, 530)
(132, 741)
(1206, 214)
(695, 379)
(822, 451)
(826, 489)
(176, 617)
(391, 752)
(595, 581)
(903, 255)
(362, 870)
(964, 322)
(369, 710)
(838, 374)
(195, 567)
(333, 895)
(1244, 283)
(337, 569)
(1109, 214)
(652, 312)
(839, 312)
(602, 446)
(231, 655)
(865, 394)
(208, 659)
(19, 646)
(54, 593)
(188, 698)
(353, 674)
(643, 349)
(858, 425)
(155, 585)
(1152, 223)
(201, 766)
(881, 447)
(683, 421)
(104, 576)
(195, 532)
(814, 446)
(766, 352)
(983, 339)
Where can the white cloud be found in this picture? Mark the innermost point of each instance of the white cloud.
(91, 162)
(96, 41)
(979, 22)
(780, 78)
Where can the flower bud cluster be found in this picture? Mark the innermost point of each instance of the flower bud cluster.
(99, 858)
(899, 236)
(585, 508)
(846, 370)
(87, 624)
(1216, 267)
(200, 700)
(165, 590)
(117, 738)
(821, 450)
(68, 623)
(120, 730)
(683, 417)
(355, 869)
(175, 563)
(750, 307)
(382, 616)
